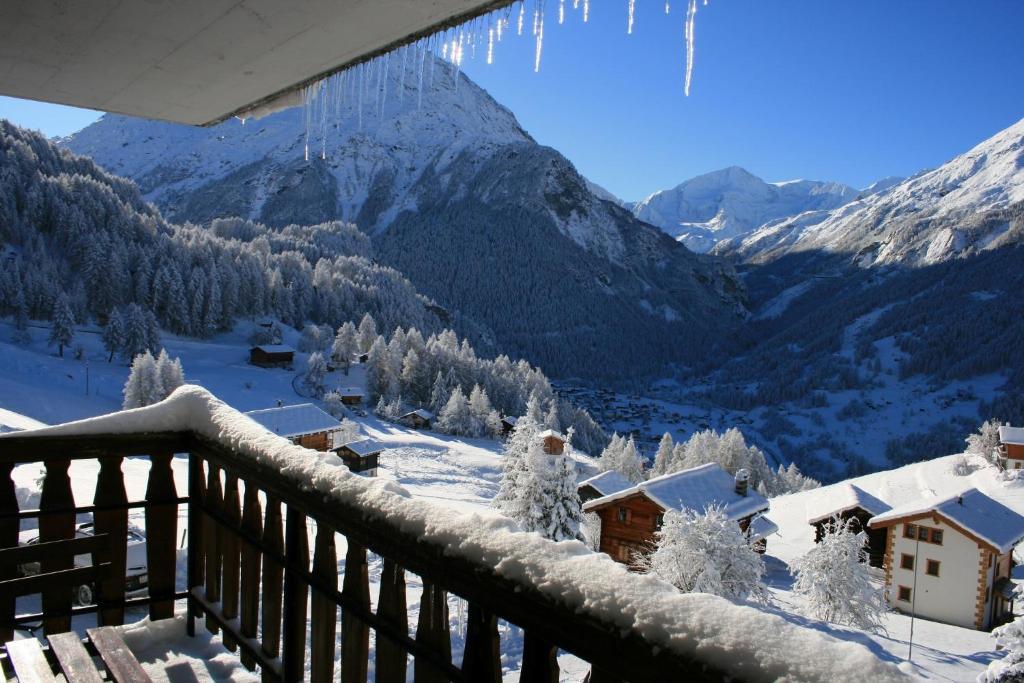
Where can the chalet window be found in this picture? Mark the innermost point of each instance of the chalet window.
(625, 515)
(904, 594)
(922, 533)
(906, 561)
(937, 536)
(932, 568)
(659, 521)
(909, 531)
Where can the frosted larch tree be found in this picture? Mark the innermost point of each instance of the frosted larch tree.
(513, 464)
(345, 346)
(663, 458)
(631, 465)
(455, 417)
(367, 333)
(170, 373)
(62, 327)
(316, 371)
(113, 335)
(985, 442)
(143, 385)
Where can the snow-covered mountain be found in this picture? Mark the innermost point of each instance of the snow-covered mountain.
(962, 207)
(455, 194)
(732, 202)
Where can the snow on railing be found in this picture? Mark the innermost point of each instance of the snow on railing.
(742, 641)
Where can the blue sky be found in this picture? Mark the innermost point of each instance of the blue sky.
(848, 91)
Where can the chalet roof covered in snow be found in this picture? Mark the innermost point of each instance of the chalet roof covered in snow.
(351, 391)
(15, 422)
(1014, 435)
(551, 433)
(275, 348)
(510, 420)
(297, 420)
(362, 447)
(972, 511)
(835, 500)
(762, 527)
(608, 482)
(201, 61)
(697, 488)
(422, 413)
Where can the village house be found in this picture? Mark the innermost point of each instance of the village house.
(554, 442)
(508, 423)
(1011, 447)
(360, 456)
(351, 396)
(272, 356)
(417, 419)
(854, 506)
(304, 424)
(604, 484)
(631, 517)
(950, 559)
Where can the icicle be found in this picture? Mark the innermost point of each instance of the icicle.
(361, 83)
(586, 11)
(632, 11)
(691, 16)
(536, 20)
(401, 75)
(490, 46)
(419, 85)
(561, 12)
(522, 16)
(540, 45)
(500, 28)
(667, 10)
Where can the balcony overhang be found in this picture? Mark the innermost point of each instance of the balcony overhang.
(201, 61)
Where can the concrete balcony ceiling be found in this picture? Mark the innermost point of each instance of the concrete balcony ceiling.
(201, 61)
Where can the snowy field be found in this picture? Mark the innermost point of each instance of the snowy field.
(459, 473)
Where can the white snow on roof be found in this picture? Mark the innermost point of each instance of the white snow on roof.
(351, 391)
(362, 447)
(420, 412)
(289, 421)
(11, 421)
(745, 642)
(697, 488)
(843, 498)
(608, 482)
(762, 527)
(992, 522)
(275, 348)
(552, 433)
(510, 420)
(1014, 435)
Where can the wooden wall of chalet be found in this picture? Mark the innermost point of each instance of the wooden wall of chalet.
(260, 357)
(621, 539)
(553, 445)
(588, 493)
(877, 538)
(321, 441)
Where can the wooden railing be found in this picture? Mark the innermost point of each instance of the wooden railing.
(252, 576)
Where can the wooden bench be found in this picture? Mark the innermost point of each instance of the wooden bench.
(69, 656)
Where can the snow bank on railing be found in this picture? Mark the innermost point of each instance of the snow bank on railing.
(748, 643)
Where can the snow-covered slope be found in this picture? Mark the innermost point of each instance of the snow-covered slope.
(955, 210)
(732, 202)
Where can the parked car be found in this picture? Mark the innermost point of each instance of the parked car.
(136, 569)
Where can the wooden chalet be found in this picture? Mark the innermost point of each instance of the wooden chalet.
(303, 424)
(950, 559)
(603, 484)
(361, 456)
(1011, 447)
(508, 423)
(272, 356)
(352, 396)
(854, 507)
(418, 419)
(554, 442)
(630, 517)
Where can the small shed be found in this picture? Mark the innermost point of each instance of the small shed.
(272, 356)
(304, 424)
(508, 423)
(554, 442)
(418, 419)
(351, 396)
(854, 506)
(361, 456)
(604, 484)
(1011, 447)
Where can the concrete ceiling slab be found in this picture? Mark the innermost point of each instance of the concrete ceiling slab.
(200, 61)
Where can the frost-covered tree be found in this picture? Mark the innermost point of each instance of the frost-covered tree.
(514, 467)
(591, 529)
(611, 456)
(1009, 637)
(367, 333)
(630, 464)
(985, 442)
(345, 346)
(565, 516)
(663, 458)
(170, 373)
(62, 325)
(834, 581)
(316, 371)
(705, 552)
(378, 370)
(481, 411)
(309, 339)
(455, 417)
(143, 387)
(113, 335)
(20, 335)
(141, 332)
(415, 379)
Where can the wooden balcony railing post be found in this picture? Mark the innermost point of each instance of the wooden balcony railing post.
(56, 526)
(231, 548)
(273, 597)
(392, 660)
(212, 537)
(355, 634)
(110, 492)
(161, 535)
(324, 617)
(596, 675)
(432, 631)
(252, 523)
(9, 527)
(296, 595)
(196, 529)
(540, 663)
(481, 660)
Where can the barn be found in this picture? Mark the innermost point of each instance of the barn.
(418, 419)
(1011, 447)
(855, 507)
(272, 356)
(304, 424)
(554, 442)
(351, 396)
(361, 456)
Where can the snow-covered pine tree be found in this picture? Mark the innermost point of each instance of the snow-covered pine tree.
(415, 379)
(566, 515)
(611, 456)
(378, 370)
(143, 385)
(20, 334)
(345, 346)
(367, 333)
(62, 325)
(834, 581)
(316, 371)
(985, 442)
(705, 552)
(455, 417)
(663, 458)
(170, 373)
(1009, 637)
(439, 393)
(631, 465)
(513, 465)
(551, 420)
(480, 409)
(113, 334)
(309, 339)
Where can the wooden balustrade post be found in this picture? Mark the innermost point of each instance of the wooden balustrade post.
(481, 660)
(596, 675)
(212, 538)
(110, 492)
(273, 597)
(540, 663)
(324, 616)
(252, 523)
(355, 634)
(9, 527)
(58, 525)
(296, 595)
(432, 631)
(392, 660)
(231, 547)
(196, 524)
(161, 535)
